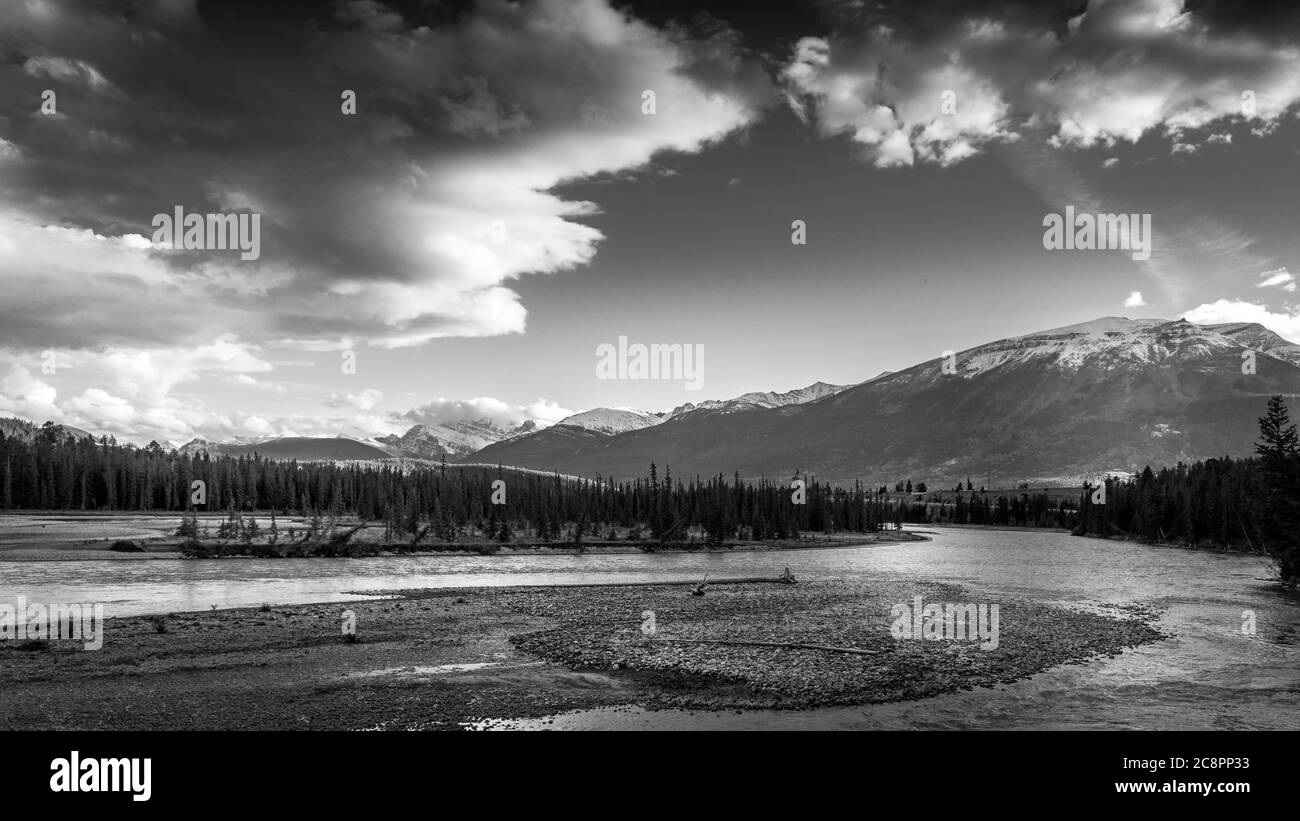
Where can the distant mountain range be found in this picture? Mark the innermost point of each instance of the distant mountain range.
(1110, 395)
(302, 448)
(452, 439)
(459, 441)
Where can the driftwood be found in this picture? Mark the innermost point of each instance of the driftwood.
(788, 645)
(753, 580)
(785, 578)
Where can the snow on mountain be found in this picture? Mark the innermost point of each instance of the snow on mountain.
(1105, 395)
(612, 420)
(1256, 336)
(1106, 343)
(760, 399)
(451, 439)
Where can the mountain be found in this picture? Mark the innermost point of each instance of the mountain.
(450, 439)
(302, 448)
(1256, 336)
(13, 427)
(611, 420)
(592, 431)
(1110, 395)
(758, 400)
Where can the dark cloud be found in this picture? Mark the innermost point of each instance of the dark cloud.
(378, 225)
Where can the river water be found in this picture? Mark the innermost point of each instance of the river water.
(1208, 675)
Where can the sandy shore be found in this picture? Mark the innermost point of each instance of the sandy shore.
(447, 659)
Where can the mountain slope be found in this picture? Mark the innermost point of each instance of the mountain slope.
(611, 420)
(1108, 395)
(14, 428)
(759, 399)
(302, 448)
(450, 439)
(594, 430)
(1256, 336)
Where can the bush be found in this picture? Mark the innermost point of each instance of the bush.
(126, 546)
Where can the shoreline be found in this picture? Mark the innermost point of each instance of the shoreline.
(81, 552)
(456, 658)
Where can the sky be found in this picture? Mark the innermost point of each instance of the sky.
(501, 201)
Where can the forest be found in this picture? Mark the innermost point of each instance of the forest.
(1247, 504)
(50, 470)
(1250, 505)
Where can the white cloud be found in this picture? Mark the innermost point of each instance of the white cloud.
(365, 400)
(407, 223)
(129, 393)
(1135, 300)
(1235, 310)
(442, 411)
(1125, 68)
(906, 104)
(400, 226)
(1277, 278)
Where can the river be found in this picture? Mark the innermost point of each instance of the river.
(1208, 675)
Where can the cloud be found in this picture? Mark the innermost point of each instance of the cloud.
(1277, 278)
(402, 223)
(131, 393)
(365, 400)
(906, 105)
(1234, 310)
(405, 222)
(443, 411)
(1135, 300)
(25, 395)
(1115, 72)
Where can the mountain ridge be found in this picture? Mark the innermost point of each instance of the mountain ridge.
(1061, 404)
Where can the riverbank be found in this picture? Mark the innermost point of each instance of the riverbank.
(451, 658)
(158, 547)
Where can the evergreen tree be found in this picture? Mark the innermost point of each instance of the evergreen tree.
(1279, 453)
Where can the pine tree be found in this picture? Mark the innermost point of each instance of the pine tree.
(1279, 454)
(1278, 447)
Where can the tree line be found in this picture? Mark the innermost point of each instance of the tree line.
(52, 470)
(1249, 504)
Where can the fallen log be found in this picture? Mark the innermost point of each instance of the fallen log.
(752, 580)
(784, 578)
(857, 651)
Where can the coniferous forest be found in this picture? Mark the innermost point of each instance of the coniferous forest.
(1247, 504)
(1250, 505)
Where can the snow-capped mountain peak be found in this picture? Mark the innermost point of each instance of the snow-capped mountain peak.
(451, 439)
(1115, 342)
(612, 420)
(760, 399)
